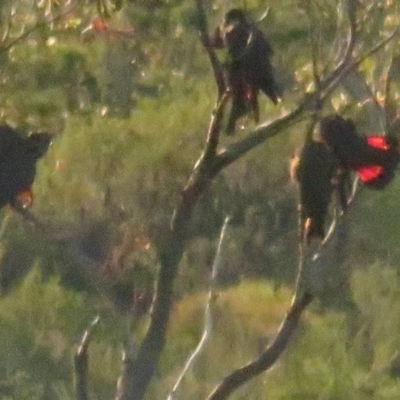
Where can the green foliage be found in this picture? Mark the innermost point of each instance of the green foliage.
(247, 313)
(41, 324)
(327, 358)
(35, 328)
(376, 219)
(101, 153)
(126, 170)
(377, 292)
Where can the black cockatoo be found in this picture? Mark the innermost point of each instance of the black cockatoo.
(374, 158)
(326, 164)
(314, 168)
(18, 157)
(248, 68)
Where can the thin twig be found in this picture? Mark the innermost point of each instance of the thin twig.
(208, 321)
(312, 281)
(351, 44)
(137, 373)
(264, 132)
(314, 48)
(351, 14)
(6, 47)
(342, 70)
(81, 363)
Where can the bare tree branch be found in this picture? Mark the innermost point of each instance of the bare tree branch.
(208, 320)
(268, 358)
(81, 363)
(317, 275)
(137, 372)
(264, 132)
(138, 369)
(314, 46)
(205, 40)
(214, 129)
(342, 70)
(351, 43)
(301, 112)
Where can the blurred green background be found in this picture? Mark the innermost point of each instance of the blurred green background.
(129, 98)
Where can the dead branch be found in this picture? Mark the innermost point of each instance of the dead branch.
(317, 276)
(208, 319)
(137, 372)
(206, 42)
(310, 101)
(314, 48)
(81, 364)
(215, 127)
(342, 70)
(264, 132)
(268, 358)
(351, 44)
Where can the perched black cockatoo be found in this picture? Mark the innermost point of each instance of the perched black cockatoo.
(314, 168)
(326, 164)
(374, 158)
(248, 68)
(18, 157)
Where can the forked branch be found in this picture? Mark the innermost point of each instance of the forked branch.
(138, 372)
(306, 107)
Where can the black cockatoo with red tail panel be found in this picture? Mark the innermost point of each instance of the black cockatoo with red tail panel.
(248, 67)
(18, 157)
(374, 158)
(325, 165)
